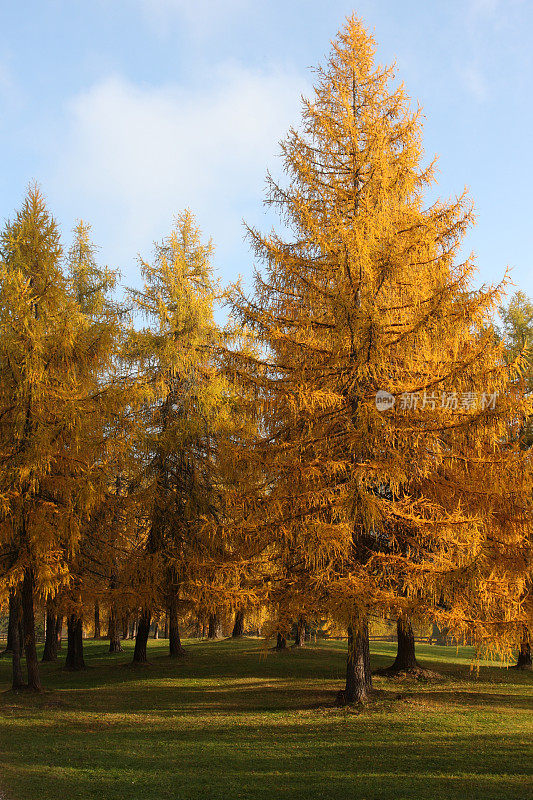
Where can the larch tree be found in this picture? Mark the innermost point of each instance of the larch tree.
(49, 352)
(183, 409)
(382, 387)
(92, 287)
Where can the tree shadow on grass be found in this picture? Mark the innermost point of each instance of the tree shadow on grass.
(501, 700)
(254, 666)
(238, 722)
(267, 760)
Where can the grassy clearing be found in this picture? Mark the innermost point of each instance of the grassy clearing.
(234, 720)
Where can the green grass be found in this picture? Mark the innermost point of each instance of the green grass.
(234, 720)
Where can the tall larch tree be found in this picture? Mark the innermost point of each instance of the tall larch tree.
(48, 392)
(183, 408)
(379, 503)
(92, 287)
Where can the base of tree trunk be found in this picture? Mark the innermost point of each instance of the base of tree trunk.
(18, 678)
(299, 639)
(28, 618)
(414, 673)
(405, 657)
(358, 675)
(174, 639)
(524, 656)
(281, 642)
(215, 628)
(405, 664)
(238, 627)
(112, 632)
(175, 647)
(141, 639)
(50, 641)
(74, 661)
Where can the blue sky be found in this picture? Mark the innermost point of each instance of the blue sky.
(127, 111)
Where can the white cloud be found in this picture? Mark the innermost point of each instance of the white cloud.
(134, 155)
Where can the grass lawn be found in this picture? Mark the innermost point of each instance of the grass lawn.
(233, 720)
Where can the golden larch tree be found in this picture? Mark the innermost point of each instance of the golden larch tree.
(382, 388)
(50, 360)
(183, 409)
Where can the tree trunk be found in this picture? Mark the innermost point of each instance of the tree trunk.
(59, 630)
(15, 611)
(156, 630)
(215, 628)
(13, 620)
(405, 656)
(438, 636)
(112, 631)
(281, 642)
(74, 660)
(141, 640)
(30, 646)
(133, 629)
(165, 632)
(238, 627)
(174, 643)
(358, 675)
(50, 638)
(21, 633)
(299, 639)
(126, 626)
(524, 655)
(97, 630)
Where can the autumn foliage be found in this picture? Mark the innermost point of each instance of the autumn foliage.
(353, 444)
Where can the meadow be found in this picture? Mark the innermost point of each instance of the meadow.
(234, 719)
